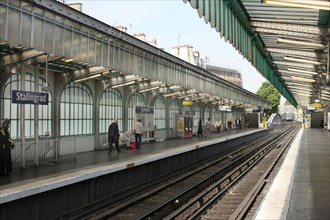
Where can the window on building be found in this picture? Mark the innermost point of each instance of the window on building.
(137, 99)
(207, 113)
(12, 111)
(174, 108)
(160, 113)
(76, 111)
(111, 106)
(197, 111)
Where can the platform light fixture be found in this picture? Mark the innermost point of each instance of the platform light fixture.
(287, 58)
(87, 78)
(315, 4)
(300, 84)
(302, 71)
(301, 94)
(310, 89)
(302, 91)
(68, 60)
(123, 84)
(149, 89)
(301, 43)
(197, 98)
(302, 79)
(172, 94)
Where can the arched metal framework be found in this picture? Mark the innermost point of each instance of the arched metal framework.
(32, 30)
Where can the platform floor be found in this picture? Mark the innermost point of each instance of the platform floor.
(93, 158)
(301, 189)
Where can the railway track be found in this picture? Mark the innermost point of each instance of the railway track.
(186, 193)
(240, 200)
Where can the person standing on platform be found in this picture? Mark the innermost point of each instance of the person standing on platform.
(113, 135)
(138, 128)
(208, 127)
(237, 124)
(200, 129)
(229, 124)
(218, 125)
(6, 144)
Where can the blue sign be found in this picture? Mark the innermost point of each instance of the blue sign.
(24, 97)
(144, 110)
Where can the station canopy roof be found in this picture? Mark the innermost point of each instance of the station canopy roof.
(289, 38)
(296, 35)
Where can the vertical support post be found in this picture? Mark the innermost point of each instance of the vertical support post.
(328, 64)
(22, 117)
(36, 117)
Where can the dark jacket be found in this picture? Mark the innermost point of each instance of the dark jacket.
(113, 130)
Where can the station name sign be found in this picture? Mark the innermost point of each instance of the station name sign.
(24, 97)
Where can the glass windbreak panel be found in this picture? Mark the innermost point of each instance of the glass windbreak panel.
(76, 45)
(58, 38)
(98, 52)
(26, 29)
(37, 11)
(207, 113)
(13, 26)
(67, 43)
(59, 19)
(160, 113)
(38, 33)
(111, 106)
(26, 7)
(68, 23)
(49, 37)
(3, 16)
(84, 47)
(78, 116)
(137, 99)
(196, 109)
(174, 108)
(91, 50)
(49, 16)
(105, 57)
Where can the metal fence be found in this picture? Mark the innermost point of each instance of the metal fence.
(45, 150)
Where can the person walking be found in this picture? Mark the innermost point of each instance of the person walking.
(113, 135)
(218, 125)
(138, 128)
(208, 127)
(6, 144)
(200, 129)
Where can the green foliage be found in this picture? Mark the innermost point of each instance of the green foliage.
(287, 103)
(269, 92)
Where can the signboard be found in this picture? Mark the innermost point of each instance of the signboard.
(180, 124)
(144, 110)
(317, 105)
(187, 102)
(225, 108)
(24, 97)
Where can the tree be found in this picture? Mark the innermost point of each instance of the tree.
(287, 103)
(269, 92)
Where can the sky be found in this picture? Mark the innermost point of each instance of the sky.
(173, 22)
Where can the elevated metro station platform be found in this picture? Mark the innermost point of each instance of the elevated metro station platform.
(301, 189)
(96, 163)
